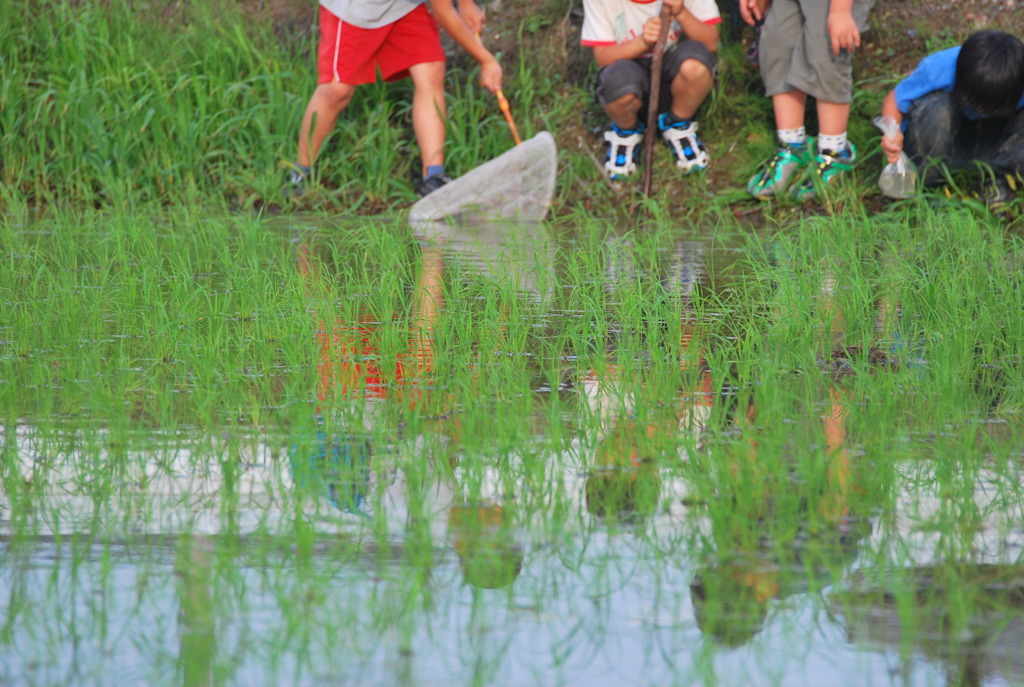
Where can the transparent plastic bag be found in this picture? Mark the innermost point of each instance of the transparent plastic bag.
(898, 179)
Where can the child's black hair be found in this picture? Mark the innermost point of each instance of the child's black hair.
(990, 73)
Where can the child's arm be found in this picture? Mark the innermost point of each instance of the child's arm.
(456, 27)
(892, 147)
(604, 55)
(694, 28)
(842, 29)
(472, 15)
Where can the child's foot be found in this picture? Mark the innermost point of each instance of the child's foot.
(776, 175)
(681, 138)
(999, 191)
(427, 186)
(623, 150)
(827, 166)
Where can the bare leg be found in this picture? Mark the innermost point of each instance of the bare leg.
(690, 87)
(833, 118)
(833, 504)
(428, 111)
(625, 111)
(328, 101)
(789, 109)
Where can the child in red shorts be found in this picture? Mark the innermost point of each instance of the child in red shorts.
(399, 38)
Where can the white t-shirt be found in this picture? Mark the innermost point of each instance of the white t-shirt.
(370, 14)
(609, 22)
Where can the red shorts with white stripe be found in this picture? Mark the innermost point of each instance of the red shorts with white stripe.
(353, 55)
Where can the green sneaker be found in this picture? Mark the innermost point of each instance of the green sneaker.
(827, 166)
(779, 171)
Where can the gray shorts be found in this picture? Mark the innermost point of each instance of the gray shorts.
(795, 51)
(634, 76)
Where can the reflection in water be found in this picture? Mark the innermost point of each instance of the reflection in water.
(964, 615)
(751, 567)
(730, 600)
(478, 521)
(196, 621)
(519, 256)
(672, 517)
(489, 555)
(632, 431)
(968, 617)
(712, 425)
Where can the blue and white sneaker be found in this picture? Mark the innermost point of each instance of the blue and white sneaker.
(681, 138)
(623, 150)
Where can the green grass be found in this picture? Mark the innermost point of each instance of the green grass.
(100, 106)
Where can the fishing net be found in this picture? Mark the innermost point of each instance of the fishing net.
(515, 186)
(489, 219)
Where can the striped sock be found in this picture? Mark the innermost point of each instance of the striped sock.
(793, 137)
(831, 144)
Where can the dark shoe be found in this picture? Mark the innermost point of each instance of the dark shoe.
(425, 187)
(999, 191)
(297, 185)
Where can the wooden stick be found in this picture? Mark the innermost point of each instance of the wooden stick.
(507, 111)
(652, 105)
(503, 104)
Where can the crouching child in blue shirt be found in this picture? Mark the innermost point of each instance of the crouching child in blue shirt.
(964, 107)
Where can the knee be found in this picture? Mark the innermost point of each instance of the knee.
(334, 95)
(629, 101)
(694, 71)
(428, 76)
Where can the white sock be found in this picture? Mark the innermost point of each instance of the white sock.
(832, 144)
(793, 137)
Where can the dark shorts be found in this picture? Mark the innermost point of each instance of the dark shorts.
(939, 134)
(634, 76)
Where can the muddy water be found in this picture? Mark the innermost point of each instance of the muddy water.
(606, 527)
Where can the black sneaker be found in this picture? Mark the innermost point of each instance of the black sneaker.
(999, 191)
(297, 185)
(427, 186)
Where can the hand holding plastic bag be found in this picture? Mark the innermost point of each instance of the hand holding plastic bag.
(898, 179)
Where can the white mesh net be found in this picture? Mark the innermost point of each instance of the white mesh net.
(515, 186)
